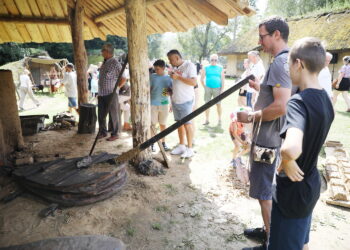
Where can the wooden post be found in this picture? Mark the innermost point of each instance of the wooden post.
(76, 21)
(10, 125)
(135, 11)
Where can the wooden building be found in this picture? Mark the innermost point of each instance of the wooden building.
(332, 28)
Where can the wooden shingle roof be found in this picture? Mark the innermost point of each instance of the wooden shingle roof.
(47, 20)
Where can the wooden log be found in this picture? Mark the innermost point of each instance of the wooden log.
(87, 119)
(121, 10)
(76, 21)
(138, 60)
(208, 10)
(11, 132)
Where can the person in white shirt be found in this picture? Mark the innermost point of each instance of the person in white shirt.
(184, 75)
(258, 70)
(325, 77)
(71, 90)
(26, 88)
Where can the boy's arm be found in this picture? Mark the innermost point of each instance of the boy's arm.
(290, 152)
(202, 77)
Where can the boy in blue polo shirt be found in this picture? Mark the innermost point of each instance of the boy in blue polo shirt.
(308, 120)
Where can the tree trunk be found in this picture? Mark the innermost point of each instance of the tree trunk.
(138, 60)
(10, 125)
(76, 16)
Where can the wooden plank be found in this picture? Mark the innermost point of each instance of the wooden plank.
(4, 34)
(3, 9)
(25, 33)
(173, 18)
(56, 8)
(183, 10)
(11, 7)
(34, 8)
(33, 20)
(95, 30)
(13, 32)
(209, 10)
(161, 19)
(63, 4)
(169, 16)
(154, 24)
(121, 10)
(44, 33)
(188, 12)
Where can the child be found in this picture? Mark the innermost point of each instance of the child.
(160, 84)
(239, 138)
(70, 83)
(308, 120)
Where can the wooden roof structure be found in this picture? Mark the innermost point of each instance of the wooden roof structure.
(41, 21)
(332, 28)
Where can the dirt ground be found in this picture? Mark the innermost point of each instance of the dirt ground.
(197, 204)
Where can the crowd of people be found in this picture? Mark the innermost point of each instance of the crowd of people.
(282, 121)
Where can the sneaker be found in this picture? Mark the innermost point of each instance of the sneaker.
(206, 123)
(153, 148)
(180, 149)
(258, 234)
(219, 123)
(261, 247)
(188, 153)
(165, 147)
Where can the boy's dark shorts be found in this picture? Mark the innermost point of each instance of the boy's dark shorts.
(288, 233)
(261, 177)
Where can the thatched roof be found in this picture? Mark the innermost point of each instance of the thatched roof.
(47, 20)
(332, 28)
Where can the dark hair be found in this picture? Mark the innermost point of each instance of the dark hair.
(174, 52)
(159, 63)
(311, 52)
(276, 23)
(70, 65)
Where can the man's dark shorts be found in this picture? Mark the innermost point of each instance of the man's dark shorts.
(261, 177)
(288, 233)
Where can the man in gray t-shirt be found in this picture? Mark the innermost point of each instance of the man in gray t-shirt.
(270, 108)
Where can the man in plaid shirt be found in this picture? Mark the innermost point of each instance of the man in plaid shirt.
(109, 73)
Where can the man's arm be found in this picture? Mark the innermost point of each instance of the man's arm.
(122, 81)
(275, 110)
(189, 81)
(222, 80)
(290, 152)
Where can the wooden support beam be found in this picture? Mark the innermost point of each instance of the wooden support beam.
(121, 10)
(10, 125)
(138, 60)
(33, 20)
(208, 10)
(76, 17)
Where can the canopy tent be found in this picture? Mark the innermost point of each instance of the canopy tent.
(47, 20)
(38, 66)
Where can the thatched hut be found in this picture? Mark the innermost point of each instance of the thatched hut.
(332, 28)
